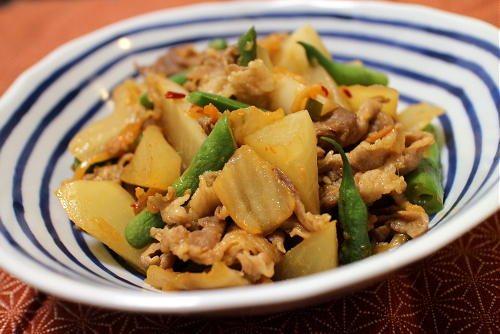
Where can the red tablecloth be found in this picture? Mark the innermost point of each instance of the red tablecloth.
(456, 290)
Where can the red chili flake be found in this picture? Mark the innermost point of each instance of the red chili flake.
(135, 205)
(347, 92)
(174, 95)
(325, 90)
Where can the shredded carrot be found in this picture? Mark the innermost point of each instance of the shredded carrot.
(373, 136)
(195, 111)
(211, 111)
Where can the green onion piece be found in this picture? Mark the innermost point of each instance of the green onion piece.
(146, 103)
(218, 44)
(314, 107)
(76, 163)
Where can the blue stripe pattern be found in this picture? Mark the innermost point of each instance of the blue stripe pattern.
(56, 155)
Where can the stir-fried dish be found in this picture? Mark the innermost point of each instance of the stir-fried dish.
(232, 165)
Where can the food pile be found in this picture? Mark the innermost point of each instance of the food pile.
(231, 165)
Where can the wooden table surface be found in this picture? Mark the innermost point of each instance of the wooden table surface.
(456, 290)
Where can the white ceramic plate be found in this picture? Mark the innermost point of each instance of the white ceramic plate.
(444, 59)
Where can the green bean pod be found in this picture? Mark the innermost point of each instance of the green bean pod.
(137, 230)
(353, 214)
(433, 152)
(222, 103)
(212, 155)
(344, 74)
(179, 78)
(247, 47)
(424, 184)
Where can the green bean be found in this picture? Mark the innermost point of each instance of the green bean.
(218, 44)
(179, 78)
(222, 103)
(137, 230)
(146, 103)
(344, 74)
(424, 184)
(353, 214)
(212, 155)
(433, 152)
(247, 47)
